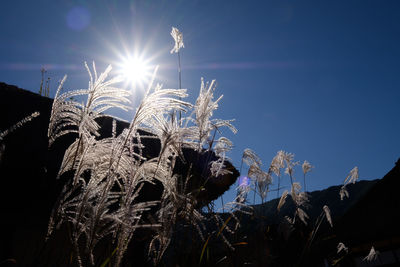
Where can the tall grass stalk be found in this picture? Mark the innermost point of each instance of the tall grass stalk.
(178, 38)
(105, 177)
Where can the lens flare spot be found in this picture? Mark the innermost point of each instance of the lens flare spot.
(244, 181)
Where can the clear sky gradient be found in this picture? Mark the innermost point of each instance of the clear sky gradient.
(320, 79)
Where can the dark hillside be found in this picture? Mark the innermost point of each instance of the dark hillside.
(318, 199)
(28, 189)
(369, 217)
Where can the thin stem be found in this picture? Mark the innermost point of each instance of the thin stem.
(279, 184)
(180, 83)
(313, 234)
(240, 175)
(241, 165)
(291, 179)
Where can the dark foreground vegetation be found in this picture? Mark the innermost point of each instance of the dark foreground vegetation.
(257, 235)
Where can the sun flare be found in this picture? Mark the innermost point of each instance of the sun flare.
(135, 70)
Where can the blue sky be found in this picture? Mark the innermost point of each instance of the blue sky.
(319, 79)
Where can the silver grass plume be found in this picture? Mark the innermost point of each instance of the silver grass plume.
(264, 180)
(203, 111)
(352, 177)
(172, 137)
(218, 167)
(237, 206)
(282, 200)
(290, 164)
(301, 200)
(343, 192)
(302, 215)
(295, 192)
(342, 247)
(178, 38)
(277, 163)
(19, 124)
(174, 205)
(260, 179)
(85, 204)
(328, 215)
(114, 128)
(307, 167)
(156, 102)
(250, 157)
(89, 212)
(372, 255)
(222, 146)
(70, 116)
(242, 190)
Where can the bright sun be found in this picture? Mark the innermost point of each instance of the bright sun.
(135, 70)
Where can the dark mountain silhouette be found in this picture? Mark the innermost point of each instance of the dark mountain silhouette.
(317, 199)
(374, 220)
(369, 217)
